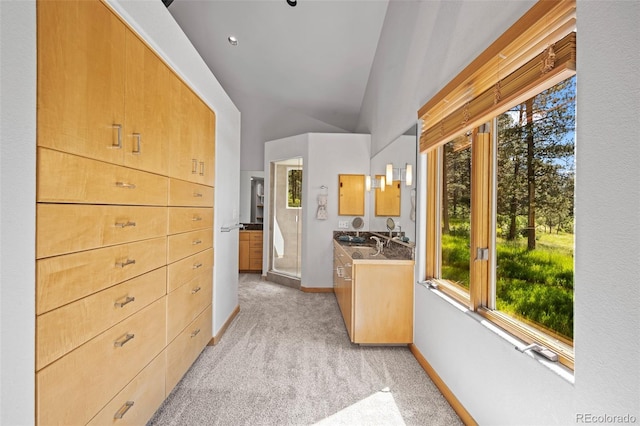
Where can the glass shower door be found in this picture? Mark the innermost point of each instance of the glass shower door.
(286, 212)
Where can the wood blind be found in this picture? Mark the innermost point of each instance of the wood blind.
(535, 53)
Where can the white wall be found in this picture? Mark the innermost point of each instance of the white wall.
(265, 120)
(495, 383)
(18, 211)
(325, 156)
(18, 47)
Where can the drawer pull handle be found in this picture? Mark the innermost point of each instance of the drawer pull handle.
(195, 290)
(119, 144)
(125, 185)
(197, 265)
(196, 219)
(195, 333)
(122, 342)
(138, 148)
(128, 300)
(126, 263)
(202, 168)
(124, 224)
(197, 194)
(123, 410)
(196, 242)
(194, 166)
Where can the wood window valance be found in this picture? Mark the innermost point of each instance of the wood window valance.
(535, 53)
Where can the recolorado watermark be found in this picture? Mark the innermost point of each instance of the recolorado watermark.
(605, 418)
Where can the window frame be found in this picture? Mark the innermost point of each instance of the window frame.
(535, 53)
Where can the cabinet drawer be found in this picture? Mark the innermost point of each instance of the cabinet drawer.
(183, 245)
(244, 236)
(137, 402)
(64, 329)
(77, 386)
(254, 243)
(63, 279)
(185, 219)
(185, 303)
(186, 347)
(183, 271)
(255, 253)
(183, 193)
(67, 228)
(67, 178)
(255, 264)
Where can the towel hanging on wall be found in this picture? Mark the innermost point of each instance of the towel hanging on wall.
(322, 207)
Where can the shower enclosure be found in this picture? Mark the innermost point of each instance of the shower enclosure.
(286, 217)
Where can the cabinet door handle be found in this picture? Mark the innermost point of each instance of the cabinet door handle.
(128, 300)
(124, 224)
(197, 265)
(194, 166)
(196, 242)
(126, 263)
(119, 144)
(121, 343)
(195, 333)
(202, 168)
(195, 290)
(197, 194)
(138, 149)
(123, 410)
(125, 185)
(196, 219)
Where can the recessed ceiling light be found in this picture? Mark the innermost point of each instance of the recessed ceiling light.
(233, 40)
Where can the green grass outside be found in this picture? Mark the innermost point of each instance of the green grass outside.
(533, 285)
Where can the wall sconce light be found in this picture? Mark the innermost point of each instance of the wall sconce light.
(375, 183)
(367, 183)
(382, 183)
(404, 175)
(408, 178)
(389, 174)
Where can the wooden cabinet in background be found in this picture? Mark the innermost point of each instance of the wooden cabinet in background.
(351, 195)
(250, 251)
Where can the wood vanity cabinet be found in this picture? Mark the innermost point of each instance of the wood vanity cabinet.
(124, 220)
(375, 298)
(250, 251)
(351, 195)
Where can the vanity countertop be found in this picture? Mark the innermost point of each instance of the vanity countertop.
(363, 250)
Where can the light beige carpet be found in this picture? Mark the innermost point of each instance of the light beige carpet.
(287, 360)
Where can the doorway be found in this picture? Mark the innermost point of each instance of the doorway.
(286, 218)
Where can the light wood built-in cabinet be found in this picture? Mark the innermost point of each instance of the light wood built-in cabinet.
(351, 195)
(375, 298)
(124, 241)
(388, 201)
(250, 251)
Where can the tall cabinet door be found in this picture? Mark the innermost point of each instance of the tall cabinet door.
(184, 160)
(81, 79)
(147, 108)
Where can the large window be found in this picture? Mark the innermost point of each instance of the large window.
(499, 141)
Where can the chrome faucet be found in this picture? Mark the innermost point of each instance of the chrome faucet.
(379, 244)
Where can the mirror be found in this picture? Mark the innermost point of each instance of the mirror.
(391, 225)
(400, 152)
(251, 196)
(387, 202)
(351, 195)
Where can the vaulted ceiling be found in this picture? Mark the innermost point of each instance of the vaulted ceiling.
(314, 58)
